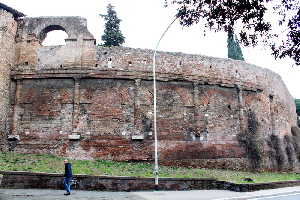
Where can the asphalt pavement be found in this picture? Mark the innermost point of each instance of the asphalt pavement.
(37, 194)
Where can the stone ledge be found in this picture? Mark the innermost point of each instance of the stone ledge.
(31, 180)
(74, 137)
(13, 137)
(137, 137)
(88, 72)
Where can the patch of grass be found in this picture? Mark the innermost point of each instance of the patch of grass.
(53, 164)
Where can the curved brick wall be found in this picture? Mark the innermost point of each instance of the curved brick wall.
(89, 102)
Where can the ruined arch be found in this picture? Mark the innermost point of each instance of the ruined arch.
(32, 31)
(47, 29)
(185, 96)
(258, 97)
(259, 104)
(75, 27)
(218, 115)
(206, 97)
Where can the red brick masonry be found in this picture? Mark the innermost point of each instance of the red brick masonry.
(84, 101)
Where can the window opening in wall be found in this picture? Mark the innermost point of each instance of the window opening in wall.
(55, 37)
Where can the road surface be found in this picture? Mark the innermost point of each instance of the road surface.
(290, 193)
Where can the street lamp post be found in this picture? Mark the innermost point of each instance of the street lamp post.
(154, 109)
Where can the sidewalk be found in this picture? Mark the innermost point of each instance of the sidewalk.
(34, 194)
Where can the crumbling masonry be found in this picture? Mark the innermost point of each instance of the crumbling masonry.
(85, 101)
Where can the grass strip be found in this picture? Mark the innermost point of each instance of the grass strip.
(10, 161)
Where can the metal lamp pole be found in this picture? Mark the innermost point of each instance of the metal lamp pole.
(154, 110)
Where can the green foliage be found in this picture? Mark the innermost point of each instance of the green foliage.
(112, 34)
(291, 47)
(296, 141)
(250, 141)
(233, 47)
(276, 153)
(53, 164)
(290, 151)
(297, 102)
(256, 27)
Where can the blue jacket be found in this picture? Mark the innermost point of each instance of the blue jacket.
(68, 170)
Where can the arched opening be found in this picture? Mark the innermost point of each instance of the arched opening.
(56, 37)
(53, 35)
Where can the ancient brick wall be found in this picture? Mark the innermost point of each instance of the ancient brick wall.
(32, 31)
(8, 28)
(90, 102)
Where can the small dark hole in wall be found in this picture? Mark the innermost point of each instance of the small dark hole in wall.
(61, 66)
(109, 59)
(25, 63)
(229, 106)
(210, 66)
(236, 71)
(96, 65)
(129, 62)
(105, 53)
(180, 63)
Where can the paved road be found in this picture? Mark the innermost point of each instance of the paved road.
(294, 196)
(33, 194)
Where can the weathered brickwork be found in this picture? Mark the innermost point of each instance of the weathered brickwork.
(90, 102)
(8, 28)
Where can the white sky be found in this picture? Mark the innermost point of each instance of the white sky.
(143, 23)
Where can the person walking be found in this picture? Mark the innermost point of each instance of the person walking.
(68, 176)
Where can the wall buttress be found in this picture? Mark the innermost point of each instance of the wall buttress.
(137, 112)
(272, 113)
(241, 109)
(197, 120)
(15, 118)
(76, 104)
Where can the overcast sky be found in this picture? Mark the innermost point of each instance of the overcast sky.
(143, 23)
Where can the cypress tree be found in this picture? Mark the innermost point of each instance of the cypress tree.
(112, 34)
(233, 46)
